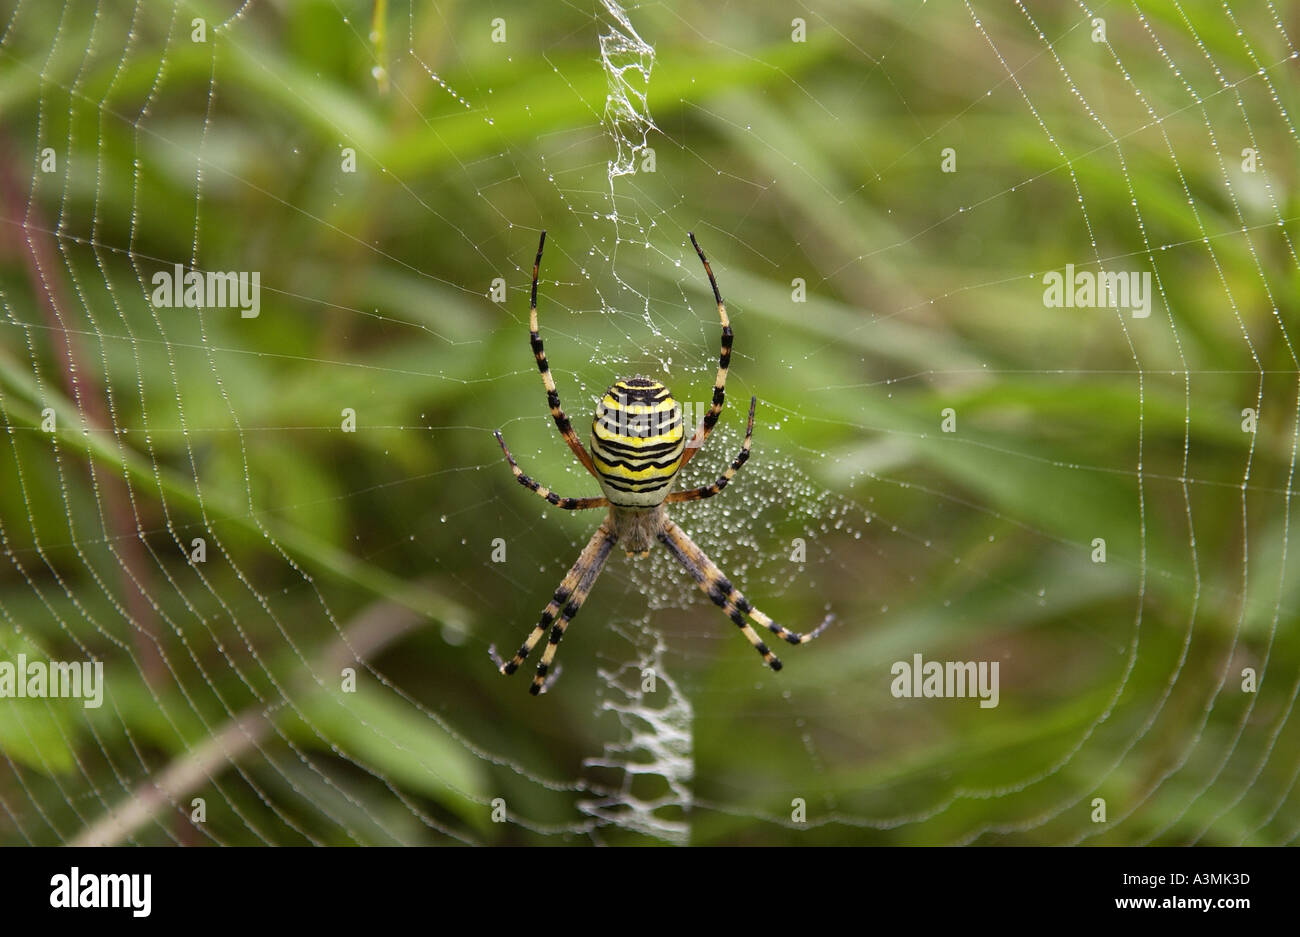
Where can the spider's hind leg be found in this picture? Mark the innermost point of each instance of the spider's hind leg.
(724, 363)
(562, 422)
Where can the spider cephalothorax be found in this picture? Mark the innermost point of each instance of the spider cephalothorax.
(638, 445)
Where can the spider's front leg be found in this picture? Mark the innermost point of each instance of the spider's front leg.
(565, 604)
(727, 597)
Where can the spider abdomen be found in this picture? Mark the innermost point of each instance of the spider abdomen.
(637, 442)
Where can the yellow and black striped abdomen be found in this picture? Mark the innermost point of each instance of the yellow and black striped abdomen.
(637, 442)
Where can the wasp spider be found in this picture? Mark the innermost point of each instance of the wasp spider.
(637, 449)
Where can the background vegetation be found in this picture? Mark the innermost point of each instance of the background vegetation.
(817, 160)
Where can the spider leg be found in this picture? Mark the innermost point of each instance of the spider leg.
(568, 504)
(724, 361)
(570, 595)
(708, 491)
(552, 395)
(727, 597)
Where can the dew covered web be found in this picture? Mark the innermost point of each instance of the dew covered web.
(290, 538)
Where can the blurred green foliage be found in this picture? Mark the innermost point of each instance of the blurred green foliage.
(818, 160)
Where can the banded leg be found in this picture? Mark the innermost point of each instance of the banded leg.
(708, 491)
(727, 597)
(585, 582)
(552, 395)
(724, 362)
(568, 504)
(570, 595)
